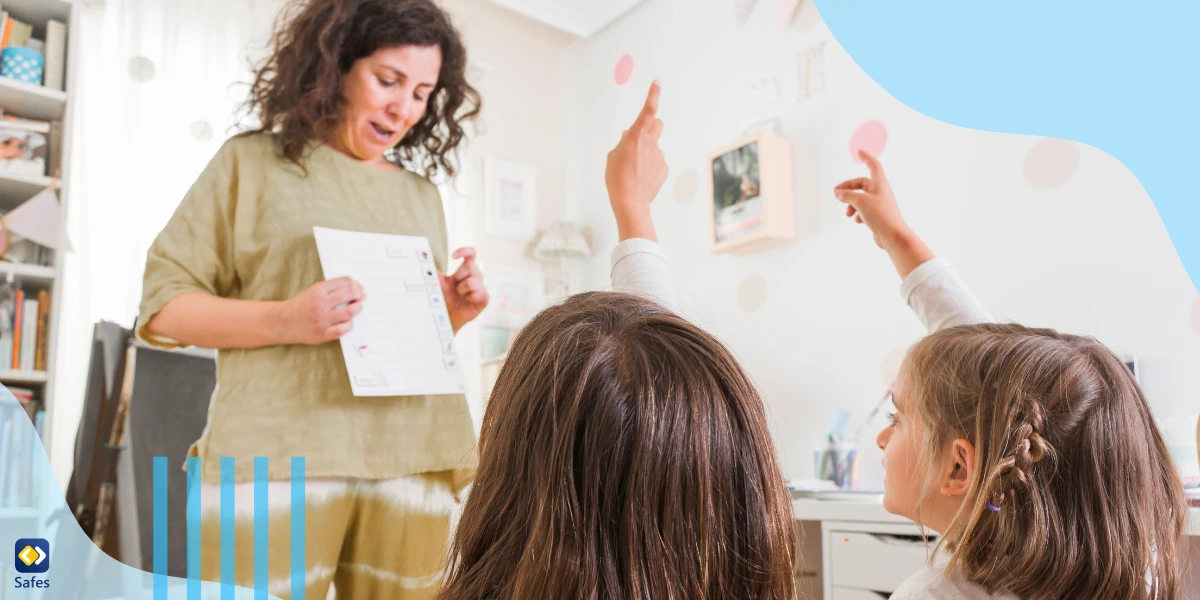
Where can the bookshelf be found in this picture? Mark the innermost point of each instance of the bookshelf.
(23, 377)
(16, 188)
(31, 101)
(40, 103)
(38, 273)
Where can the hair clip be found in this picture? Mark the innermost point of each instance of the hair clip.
(993, 507)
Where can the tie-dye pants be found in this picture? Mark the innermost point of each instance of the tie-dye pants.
(369, 539)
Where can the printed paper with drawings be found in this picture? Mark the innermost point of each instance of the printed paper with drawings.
(402, 343)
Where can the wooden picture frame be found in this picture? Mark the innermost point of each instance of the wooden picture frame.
(751, 203)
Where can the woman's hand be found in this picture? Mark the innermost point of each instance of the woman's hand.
(870, 200)
(636, 171)
(322, 313)
(465, 294)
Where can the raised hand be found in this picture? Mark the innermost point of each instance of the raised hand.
(636, 171)
(869, 200)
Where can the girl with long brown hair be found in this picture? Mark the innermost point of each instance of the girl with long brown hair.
(1034, 453)
(624, 452)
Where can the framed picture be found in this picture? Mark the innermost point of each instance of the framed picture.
(510, 200)
(751, 204)
(516, 296)
(810, 75)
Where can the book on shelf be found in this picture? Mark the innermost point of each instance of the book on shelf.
(56, 55)
(43, 330)
(25, 397)
(22, 425)
(29, 337)
(18, 313)
(14, 32)
(19, 440)
(24, 329)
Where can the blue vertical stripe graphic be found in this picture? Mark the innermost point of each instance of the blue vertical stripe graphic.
(298, 528)
(262, 519)
(160, 527)
(228, 532)
(193, 528)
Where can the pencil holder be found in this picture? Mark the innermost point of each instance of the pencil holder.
(837, 463)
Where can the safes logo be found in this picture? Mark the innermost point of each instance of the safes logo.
(32, 555)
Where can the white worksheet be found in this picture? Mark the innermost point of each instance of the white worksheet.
(402, 343)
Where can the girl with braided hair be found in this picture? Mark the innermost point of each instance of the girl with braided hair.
(1034, 453)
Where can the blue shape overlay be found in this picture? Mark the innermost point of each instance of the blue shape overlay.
(1119, 76)
(79, 569)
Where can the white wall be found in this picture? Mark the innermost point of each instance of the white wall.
(1091, 256)
(521, 122)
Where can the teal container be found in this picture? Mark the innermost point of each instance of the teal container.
(23, 64)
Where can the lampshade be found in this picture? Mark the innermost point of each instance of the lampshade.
(562, 240)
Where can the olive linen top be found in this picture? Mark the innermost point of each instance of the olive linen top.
(245, 231)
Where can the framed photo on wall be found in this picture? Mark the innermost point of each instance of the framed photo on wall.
(510, 200)
(751, 205)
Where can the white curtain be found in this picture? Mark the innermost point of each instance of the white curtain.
(156, 85)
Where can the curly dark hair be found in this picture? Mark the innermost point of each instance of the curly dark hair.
(297, 92)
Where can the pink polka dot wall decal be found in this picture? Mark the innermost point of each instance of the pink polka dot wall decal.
(891, 365)
(1196, 315)
(752, 293)
(1051, 163)
(624, 69)
(870, 136)
(686, 185)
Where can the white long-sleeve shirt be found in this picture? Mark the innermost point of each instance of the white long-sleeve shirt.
(933, 291)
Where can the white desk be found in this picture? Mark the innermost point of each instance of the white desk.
(864, 552)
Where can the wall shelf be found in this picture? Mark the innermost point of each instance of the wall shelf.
(31, 101)
(23, 377)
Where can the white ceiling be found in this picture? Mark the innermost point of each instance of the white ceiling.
(577, 17)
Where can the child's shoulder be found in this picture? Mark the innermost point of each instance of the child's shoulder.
(932, 583)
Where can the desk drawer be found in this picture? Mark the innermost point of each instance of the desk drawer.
(841, 593)
(875, 561)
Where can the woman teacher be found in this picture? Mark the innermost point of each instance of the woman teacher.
(356, 96)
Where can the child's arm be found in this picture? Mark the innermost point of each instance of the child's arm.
(635, 172)
(931, 288)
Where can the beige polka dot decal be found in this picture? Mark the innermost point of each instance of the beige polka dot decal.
(891, 365)
(686, 184)
(1196, 315)
(141, 69)
(752, 293)
(202, 131)
(807, 16)
(1051, 163)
